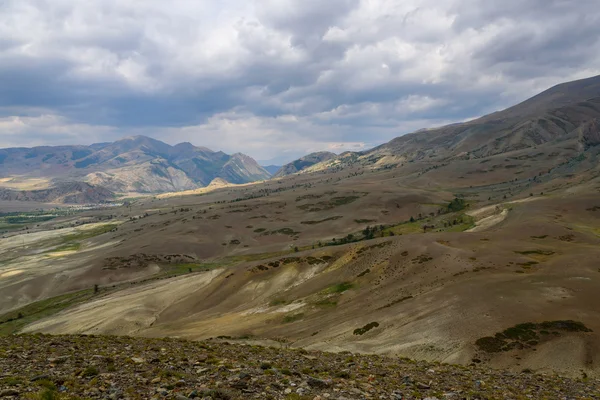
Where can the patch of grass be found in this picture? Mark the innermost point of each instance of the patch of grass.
(278, 302)
(366, 328)
(326, 303)
(364, 221)
(73, 246)
(14, 321)
(293, 318)
(89, 233)
(540, 237)
(11, 381)
(338, 288)
(259, 230)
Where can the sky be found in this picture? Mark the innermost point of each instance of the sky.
(276, 79)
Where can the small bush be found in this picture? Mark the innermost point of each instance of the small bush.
(366, 328)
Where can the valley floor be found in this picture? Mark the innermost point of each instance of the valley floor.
(105, 367)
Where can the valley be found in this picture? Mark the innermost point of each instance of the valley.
(481, 258)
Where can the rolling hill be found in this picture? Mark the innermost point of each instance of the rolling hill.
(304, 163)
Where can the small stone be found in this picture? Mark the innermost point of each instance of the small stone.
(155, 380)
(42, 377)
(181, 397)
(423, 386)
(287, 391)
(138, 360)
(193, 394)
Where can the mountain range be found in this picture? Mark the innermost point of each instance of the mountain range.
(136, 164)
(566, 116)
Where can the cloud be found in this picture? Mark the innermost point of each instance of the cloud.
(278, 76)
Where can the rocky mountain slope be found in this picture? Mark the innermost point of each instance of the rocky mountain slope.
(567, 115)
(304, 163)
(135, 164)
(69, 367)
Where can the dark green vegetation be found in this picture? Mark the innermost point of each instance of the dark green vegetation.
(322, 220)
(293, 317)
(366, 328)
(22, 220)
(456, 205)
(330, 204)
(536, 252)
(527, 335)
(338, 288)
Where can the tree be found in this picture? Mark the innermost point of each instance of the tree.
(412, 219)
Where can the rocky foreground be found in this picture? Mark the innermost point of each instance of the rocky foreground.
(101, 367)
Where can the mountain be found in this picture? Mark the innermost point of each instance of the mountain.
(566, 116)
(272, 169)
(135, 164)
(303, 163)
(569, 112)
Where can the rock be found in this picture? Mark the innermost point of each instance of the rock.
(138, 360)
(9, 392)
(396, 395)
(423, 386)
(155, 380)
(318, 383)
(287, 391)
(42, 377)
(301, 391)
(244, 376)
(239, 385)
(181, 397)
(193, 394)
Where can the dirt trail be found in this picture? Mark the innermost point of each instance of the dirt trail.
(489, 216)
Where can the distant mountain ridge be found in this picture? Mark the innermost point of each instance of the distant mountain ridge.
(272, 169)
(134, 164)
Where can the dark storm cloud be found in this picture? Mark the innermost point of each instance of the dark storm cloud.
(335, 74)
